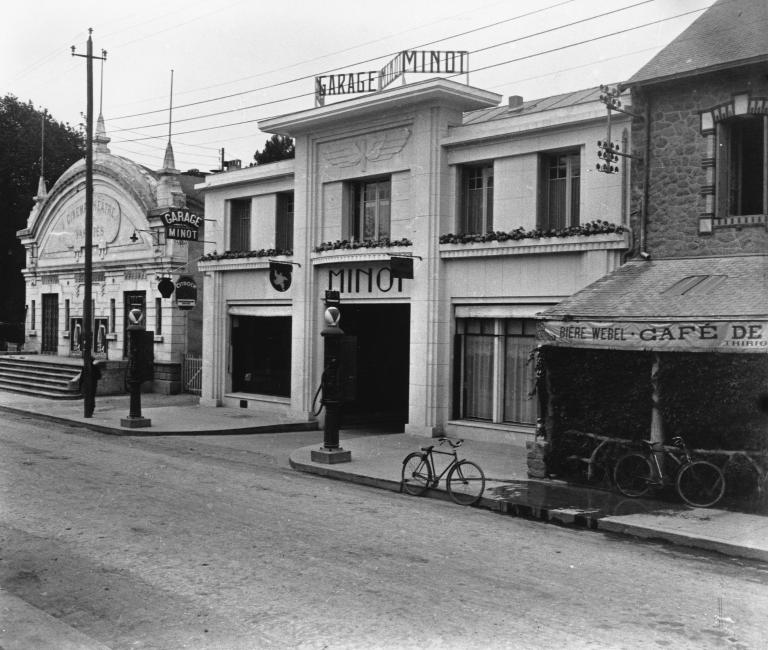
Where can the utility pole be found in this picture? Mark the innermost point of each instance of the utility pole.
(89, 387)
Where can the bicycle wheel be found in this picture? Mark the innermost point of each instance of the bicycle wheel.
(466, 483)
(633, 475)
(417, 474)
(700, 484)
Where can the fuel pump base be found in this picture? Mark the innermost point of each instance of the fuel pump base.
(330, 456)
(135, 423)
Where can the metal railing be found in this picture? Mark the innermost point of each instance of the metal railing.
(192, 374)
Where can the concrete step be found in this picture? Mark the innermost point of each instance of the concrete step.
(40, 377)
(38, 391)
(23, 379)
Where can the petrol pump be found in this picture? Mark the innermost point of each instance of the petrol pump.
(334, 382)
(140, 367)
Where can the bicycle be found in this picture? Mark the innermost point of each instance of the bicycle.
(698, 482)
(465, 480)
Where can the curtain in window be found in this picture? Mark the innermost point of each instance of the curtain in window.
(240, 226)
(478, 377)
(374, 210)
(556, 192)
(518, 378)
(478, 200)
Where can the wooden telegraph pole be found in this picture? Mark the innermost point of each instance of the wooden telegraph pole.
(89, 387)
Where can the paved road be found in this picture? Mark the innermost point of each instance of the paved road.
(205, 542)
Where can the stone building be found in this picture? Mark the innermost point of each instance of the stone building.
(131, 254)
(683, 326)
(498, 210)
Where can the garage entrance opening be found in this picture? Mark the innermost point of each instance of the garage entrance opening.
(383, 341)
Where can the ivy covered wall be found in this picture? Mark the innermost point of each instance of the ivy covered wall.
(710, 399)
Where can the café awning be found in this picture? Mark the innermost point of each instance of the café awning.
(699, 304)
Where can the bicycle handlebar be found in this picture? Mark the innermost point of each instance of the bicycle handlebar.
(455, 445)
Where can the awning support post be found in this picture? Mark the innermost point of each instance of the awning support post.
(657, 424)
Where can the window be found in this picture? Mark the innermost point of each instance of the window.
(494, 376)
(476, 207)
(112, 315)
(261, 355)
(560, 195)
(284, 222)
(742, 176)
(240, 225)
(370, 209)
(158, 316)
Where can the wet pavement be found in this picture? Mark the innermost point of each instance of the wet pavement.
(376, 459)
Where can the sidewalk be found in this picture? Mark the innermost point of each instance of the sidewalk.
(169, 415)
(377, 461)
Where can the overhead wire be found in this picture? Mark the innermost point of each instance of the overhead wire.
(487, 67)
(515, 40)
(355, 63)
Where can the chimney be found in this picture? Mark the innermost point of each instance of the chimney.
(515, 102)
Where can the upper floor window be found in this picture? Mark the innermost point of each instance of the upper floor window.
(742, 183)
(240, 225)
(370, 209)
(560, 190)
(284, 222)
(476, 199)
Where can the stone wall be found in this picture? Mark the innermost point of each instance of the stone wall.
(677, 173)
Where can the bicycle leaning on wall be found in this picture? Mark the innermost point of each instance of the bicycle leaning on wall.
(465, 482)
(698, 482)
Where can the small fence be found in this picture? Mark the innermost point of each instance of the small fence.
(192, 374)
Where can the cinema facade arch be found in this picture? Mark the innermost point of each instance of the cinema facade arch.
(425, 171)
(130, 255)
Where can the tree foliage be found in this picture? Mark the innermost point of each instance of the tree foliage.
(278, 147)
(20, 139)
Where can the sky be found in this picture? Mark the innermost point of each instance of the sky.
(236, 62)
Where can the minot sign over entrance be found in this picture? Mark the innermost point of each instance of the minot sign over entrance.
(421, 61)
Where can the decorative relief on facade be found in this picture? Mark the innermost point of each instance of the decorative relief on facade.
(373, 147)
(68, 231)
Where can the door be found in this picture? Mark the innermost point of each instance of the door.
(49, 343)
(132, 300)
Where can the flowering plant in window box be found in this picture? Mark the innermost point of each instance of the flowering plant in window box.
(232, 255)
(346, 244)
(585, 229)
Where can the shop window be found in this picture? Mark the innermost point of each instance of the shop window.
(284, 222)
(560, 194)
(494, 373)
(240, 225)
(476, 202)
(742, 182)
(158, 316)
(370, 202)
(261, 355)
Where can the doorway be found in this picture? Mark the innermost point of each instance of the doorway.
(49, 343)
(383, 355)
